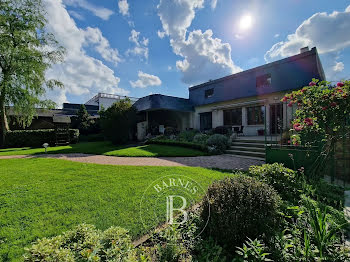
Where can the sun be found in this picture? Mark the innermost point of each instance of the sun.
(245, 22)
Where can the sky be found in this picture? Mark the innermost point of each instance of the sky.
(142, 47)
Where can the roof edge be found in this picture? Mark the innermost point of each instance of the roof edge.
(313, 51)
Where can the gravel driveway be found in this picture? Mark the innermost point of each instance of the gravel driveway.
(220, 161)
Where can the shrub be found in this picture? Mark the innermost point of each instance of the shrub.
(217, 143)
(282, 179)
(118, 122)
(200, 139)
(223, 130)
(92, 138)
(74, 135)
(187, 135)
(36, 138)
(84, 243)
(240, 207)
(168, 131)
(176, 143)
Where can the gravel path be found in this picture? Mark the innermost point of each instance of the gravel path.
(220, 161)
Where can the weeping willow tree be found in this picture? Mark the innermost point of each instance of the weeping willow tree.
(27, 50)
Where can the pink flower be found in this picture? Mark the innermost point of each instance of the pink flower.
(308, 121)
(288, 141)
(284, 99)
(340, 84)
(297, 127)
(324, 108)
(290, 104)
(333, 104)
(303, 90)
(312, 84)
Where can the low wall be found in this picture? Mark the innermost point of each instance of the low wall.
(286, 154)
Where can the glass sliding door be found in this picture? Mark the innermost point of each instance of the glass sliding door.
(205, 121)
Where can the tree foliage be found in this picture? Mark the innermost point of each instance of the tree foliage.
(27, 50)
(84, 122)
(118, 121)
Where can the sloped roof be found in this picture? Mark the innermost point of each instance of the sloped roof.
(163, 102)
(287, 74)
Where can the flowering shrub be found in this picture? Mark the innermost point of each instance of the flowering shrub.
(322, 110)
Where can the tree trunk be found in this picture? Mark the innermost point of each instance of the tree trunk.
(3, 119)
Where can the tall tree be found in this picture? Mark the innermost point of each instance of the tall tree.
(27, 50)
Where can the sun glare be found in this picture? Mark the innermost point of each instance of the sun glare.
(245, 22)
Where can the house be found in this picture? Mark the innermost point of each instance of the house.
(247, 101)
(104, 101)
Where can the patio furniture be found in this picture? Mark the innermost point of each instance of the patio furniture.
(237, 130)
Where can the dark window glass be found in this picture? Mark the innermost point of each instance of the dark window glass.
(255, 115)
(205, 121)
(263, 81)
(233, 117)
(209, 92)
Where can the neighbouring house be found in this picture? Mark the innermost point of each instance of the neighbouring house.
(104, 101)
(248, 101)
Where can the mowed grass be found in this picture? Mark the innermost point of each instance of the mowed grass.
(107, 148)
(45, 197)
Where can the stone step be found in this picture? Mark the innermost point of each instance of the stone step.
(250, 149)
(246, 153)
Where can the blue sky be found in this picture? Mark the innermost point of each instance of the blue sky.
(139, 47)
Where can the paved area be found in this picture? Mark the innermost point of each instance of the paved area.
(221, 161)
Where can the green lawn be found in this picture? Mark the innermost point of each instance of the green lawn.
(45, 197)
(107, 148)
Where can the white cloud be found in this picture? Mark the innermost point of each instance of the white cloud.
(338, 67)
(328, 32)
(169, 68)
(81, 74)
(76, 15)
(204, 57)
(161, 34)
(213, 4)
(238, 36)
(140, 48)
(277, 35)
(123, 7)
(94, 36)
(98, 11)
(146, 80)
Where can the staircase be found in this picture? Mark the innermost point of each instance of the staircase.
(254, 149)
(62, 134)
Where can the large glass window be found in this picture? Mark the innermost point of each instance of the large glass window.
(255, 115)
(205, 121)
(233, 117)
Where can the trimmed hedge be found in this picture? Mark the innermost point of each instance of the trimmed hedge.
(177, 143)
(36, 138)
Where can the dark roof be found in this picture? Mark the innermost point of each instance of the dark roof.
(163, 102)
(287, 74)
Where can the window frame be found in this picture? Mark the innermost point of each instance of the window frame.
(237, 110)
(206, 95)
(255, 110)
(263, 81)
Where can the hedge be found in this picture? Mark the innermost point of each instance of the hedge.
(36, 138)
(177, 143)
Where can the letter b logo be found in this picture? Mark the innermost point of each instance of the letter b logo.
(170, 209)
